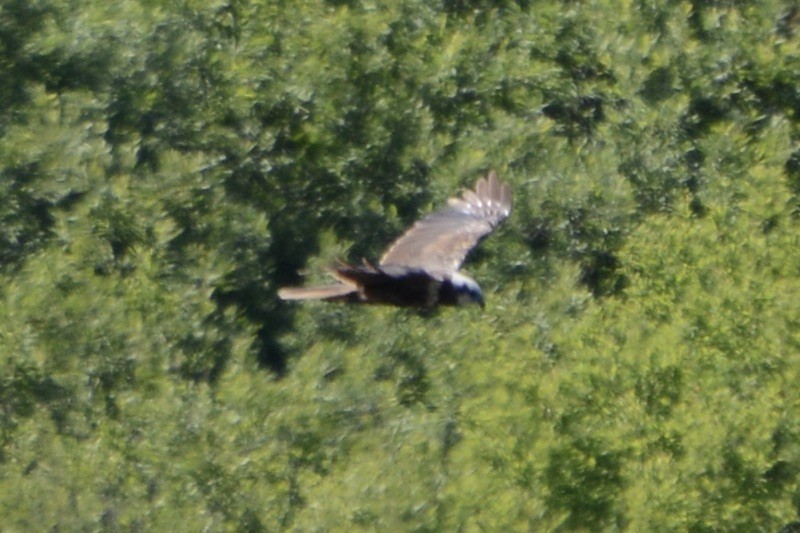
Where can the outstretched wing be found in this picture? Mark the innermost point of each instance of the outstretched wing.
(441, 240)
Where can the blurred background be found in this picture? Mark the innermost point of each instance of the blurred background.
(166, 166)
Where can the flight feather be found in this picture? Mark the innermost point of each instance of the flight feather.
(441, 240)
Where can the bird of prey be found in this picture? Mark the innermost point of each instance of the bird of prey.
(420, 269)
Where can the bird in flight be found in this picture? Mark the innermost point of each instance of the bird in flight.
(421, 268)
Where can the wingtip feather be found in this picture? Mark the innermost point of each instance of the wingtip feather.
(482, 188)
(505, 197)
(495, 187)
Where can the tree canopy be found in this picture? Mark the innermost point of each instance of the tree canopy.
(165, 167)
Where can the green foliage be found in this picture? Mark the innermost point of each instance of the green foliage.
(164, 167)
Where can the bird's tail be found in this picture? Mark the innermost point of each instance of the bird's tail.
(331, 293)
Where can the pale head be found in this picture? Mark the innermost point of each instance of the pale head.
(467, 289)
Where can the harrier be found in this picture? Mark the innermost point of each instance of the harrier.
(420, 269)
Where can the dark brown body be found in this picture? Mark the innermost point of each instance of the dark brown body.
(392, 285)
(388, 285)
